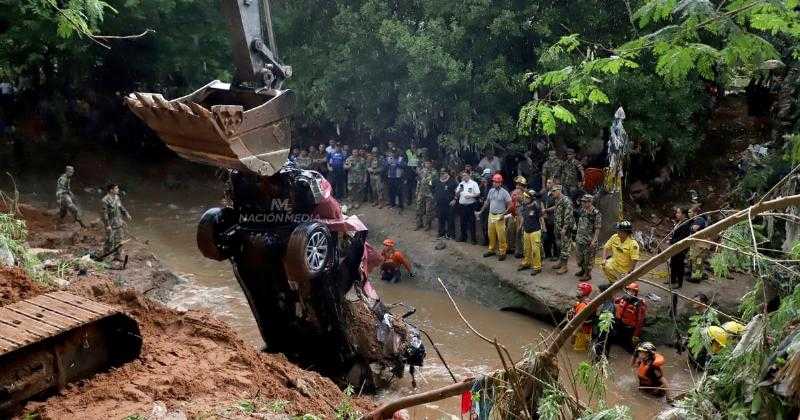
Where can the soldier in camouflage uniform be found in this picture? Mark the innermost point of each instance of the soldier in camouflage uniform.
(64, 197)
(571, 169)
(375, 172)
(112, 215)
(589, 222)
(424, 198)
(564, 224)
(552, 168)
(356, 165)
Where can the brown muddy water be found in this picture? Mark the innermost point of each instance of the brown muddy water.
(169, 226)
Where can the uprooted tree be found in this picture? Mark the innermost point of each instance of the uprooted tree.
(527, 381)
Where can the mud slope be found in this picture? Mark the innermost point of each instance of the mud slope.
(190, 361)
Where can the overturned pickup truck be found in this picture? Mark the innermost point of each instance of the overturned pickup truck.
(302, 264)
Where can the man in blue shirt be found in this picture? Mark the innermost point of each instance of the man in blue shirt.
(336, 171)
(394, 174)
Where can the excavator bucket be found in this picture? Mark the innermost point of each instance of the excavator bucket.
(221, 126)
(56, 338)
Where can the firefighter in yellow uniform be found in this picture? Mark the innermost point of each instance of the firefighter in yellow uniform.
(624, 253)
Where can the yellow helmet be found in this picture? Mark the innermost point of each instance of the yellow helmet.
(717, 334)
(521, 180)
(733, 327)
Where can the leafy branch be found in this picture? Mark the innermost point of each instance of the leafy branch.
(694, 37)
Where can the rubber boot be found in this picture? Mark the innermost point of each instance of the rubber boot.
(580, 273)
(562, 269)
(557, 266)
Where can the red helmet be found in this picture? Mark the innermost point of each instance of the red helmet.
(497, 178)
(633, 287)
(388, 242)
(585, 288)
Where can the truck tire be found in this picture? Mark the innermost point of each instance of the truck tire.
(212, 224)
(308, 252)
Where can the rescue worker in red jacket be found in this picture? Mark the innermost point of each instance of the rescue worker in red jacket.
(648, 364)
(584, 333)
(392, 261)
(629, 316)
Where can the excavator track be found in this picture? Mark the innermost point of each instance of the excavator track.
(56, 338)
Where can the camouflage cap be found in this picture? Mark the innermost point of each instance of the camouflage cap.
(587, 197)
(570, 151)
(555, 188)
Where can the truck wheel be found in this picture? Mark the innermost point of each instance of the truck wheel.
(309, 250)
(212, 224)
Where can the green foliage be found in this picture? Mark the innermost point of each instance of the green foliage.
(688, 41)
(134, 417)
(794, 156)
(277, 406)
(593, 378)
(697, 339)
(345, 410)
(737, 251)
(13, 234)
(618, 412)
(246, 407)
(549, 405)
(787, 313)
(606, 321)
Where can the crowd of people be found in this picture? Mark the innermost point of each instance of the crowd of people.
(532, 208)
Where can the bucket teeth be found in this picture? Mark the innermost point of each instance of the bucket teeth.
(222, 126)
(162, 103)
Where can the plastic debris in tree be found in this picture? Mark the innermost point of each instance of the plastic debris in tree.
(618, 150)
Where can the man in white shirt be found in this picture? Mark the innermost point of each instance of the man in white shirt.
(467, 194)
(490, 161)
(331, 147)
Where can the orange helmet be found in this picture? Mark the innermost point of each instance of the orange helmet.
(633, 288)
(497, 178)
(585, 288)
(388, 242)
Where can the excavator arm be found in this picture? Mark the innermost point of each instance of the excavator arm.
(256, 63)
(242, 125)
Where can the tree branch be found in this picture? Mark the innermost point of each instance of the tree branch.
(387, 410)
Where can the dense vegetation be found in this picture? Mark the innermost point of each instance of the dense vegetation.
(462, 74)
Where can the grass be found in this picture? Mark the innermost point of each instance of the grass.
(13, 234)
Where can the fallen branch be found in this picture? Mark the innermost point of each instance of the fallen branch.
(438, 353)
(453, 302)
(146, 31)
(387, 410)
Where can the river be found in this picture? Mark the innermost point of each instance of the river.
(168, 224)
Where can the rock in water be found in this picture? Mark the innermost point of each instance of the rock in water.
(6, 257)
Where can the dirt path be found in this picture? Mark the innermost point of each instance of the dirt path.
(549, 296)
(190, 362)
